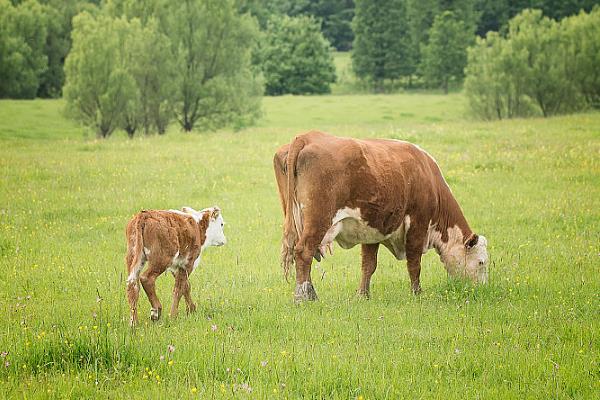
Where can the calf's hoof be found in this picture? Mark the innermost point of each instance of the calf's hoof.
(191, 309)
(417, 290)
(304, 291)
(155, 314)
(363, 294)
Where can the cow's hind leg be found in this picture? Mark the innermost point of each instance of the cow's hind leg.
(369, 264)
(305, 251)
(306, 248)
(148, 279)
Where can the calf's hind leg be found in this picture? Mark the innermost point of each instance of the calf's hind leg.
(148, 279)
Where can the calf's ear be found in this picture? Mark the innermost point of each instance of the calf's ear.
(471, 241)
(215, 212)
(188, 210)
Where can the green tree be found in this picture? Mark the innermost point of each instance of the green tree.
(445, 55)
(494, 87)
(295, 57)
(382, 45)
(541, 67)
(59, 14)
(23, 31)
(335, 17)
(213, 44)
(583, 54)
(98, 85)
(539, 42)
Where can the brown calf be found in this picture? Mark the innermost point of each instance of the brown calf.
(168, 239)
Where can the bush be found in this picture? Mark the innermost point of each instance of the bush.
(98, 86)
(23, 31)
(295, 57)
(445, 55)
(542, 67)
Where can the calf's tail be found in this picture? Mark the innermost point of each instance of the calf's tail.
(135, 248)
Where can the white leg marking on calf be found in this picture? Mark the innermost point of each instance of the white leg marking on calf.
(196, 262)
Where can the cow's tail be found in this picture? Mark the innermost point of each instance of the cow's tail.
(292, 228)
(134, 259)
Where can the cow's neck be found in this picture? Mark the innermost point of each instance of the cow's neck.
(449, 230)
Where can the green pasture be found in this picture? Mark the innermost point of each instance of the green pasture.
(531, 186)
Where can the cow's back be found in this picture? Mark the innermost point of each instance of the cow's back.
(385, 179)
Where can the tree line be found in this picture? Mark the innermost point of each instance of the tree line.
(140, 65)
(412, 43)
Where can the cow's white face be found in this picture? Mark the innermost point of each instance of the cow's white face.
(214, 233)
(476, 260)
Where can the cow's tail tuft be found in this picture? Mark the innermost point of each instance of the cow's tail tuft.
(292, 228)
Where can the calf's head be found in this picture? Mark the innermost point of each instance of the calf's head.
(214, 231)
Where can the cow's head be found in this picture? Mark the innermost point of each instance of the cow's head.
(476, 259)
(468, 258)
(214, 231)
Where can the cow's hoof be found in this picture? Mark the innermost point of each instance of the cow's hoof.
(304, 291)
(363, 294)
(417, 290)
(154, 314)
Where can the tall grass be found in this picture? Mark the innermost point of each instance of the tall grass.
(531, 186)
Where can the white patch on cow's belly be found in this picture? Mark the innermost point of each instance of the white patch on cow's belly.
(349, 229)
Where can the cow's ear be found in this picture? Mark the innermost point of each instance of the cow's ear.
(215, 212)
(471, 241)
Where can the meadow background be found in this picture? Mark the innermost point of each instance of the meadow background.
(531, 186)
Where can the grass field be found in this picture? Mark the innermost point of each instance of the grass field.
(531, 186)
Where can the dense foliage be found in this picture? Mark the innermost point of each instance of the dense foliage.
(334, 16)
(445, 55)
(295, 57)
(139, 65)
(541, 67)
(382, 48)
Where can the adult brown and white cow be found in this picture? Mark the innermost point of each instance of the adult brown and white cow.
(173, 240)
(370, 192)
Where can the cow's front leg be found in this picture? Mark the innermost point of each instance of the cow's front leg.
(304, 287)
(369, 264)
(414, 251)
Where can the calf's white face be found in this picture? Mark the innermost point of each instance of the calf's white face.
(214, 232)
